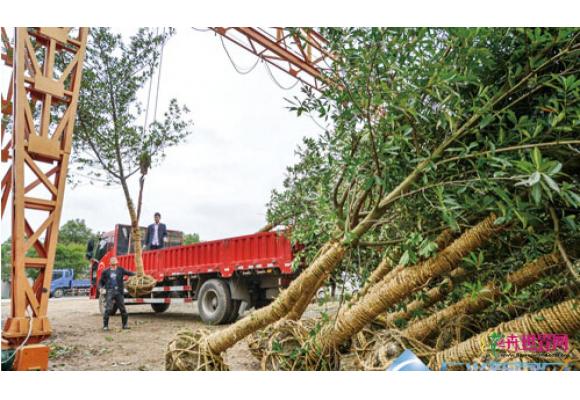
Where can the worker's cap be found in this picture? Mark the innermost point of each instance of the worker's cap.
(113, 260)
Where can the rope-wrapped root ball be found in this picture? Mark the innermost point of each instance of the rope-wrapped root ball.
(261, 340)
(189, 351)
(363, 344)
(258, 341)
(388, 345)
(140, 285)
(283, 345)
(289, 348)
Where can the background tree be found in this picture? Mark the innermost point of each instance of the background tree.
(72, 256)
(74, 231)
(6, 257)
(70, 250)
(190, 238)
(112, 144)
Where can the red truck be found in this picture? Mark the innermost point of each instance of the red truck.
(218, 274)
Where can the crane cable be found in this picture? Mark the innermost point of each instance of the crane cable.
(25, 339)
(238, 69)
(278, 83)
(161, 51)
(250, 69)
(159, 78)
(149, 95)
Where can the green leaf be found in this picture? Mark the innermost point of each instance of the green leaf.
(405, 258)
(485, 121)
(551, 183)
(537, 193)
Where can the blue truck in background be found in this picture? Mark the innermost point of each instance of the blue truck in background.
(63, 283)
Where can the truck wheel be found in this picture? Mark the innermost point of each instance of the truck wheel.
(102, 304)
(235, 312)
(58, 293)
(159, 308)
(214, 302)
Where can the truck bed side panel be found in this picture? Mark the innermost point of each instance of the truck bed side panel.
(257, 251)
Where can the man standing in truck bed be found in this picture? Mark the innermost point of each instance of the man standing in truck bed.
(156, 234)
(111, 285)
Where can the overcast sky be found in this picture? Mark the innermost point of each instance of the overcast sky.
(217, 183)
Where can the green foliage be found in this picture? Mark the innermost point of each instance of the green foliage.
(70, 250)
(493, 112)
(113, 137)
(111, 142)
(190, 238)
(5, 267)
(72, 256)
(74, 231)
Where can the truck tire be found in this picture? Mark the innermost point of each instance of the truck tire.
(235, 311)
(102, 302)
(58, 293)
(214, 302)
(161, 307)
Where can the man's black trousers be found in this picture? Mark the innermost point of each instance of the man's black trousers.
(115, 296)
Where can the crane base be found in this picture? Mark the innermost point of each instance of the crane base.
(28, 358)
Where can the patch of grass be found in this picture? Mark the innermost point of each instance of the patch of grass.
(59, 350)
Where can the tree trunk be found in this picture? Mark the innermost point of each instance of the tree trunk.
(519, 279)
(384, 267)
(389, 292)
(432, 296)
(135, 231)
(385, 272)
(225, 338)
(140, 197)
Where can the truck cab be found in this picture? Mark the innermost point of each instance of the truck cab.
(63, 283)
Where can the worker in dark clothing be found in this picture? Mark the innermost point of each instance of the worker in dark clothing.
(111, 285)
(156, 234)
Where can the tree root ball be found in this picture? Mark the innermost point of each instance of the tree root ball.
(140, 285)
(363, 344)
(189, 351)
(287, 349)
(258, 341)
(381, 356)
(388, 345)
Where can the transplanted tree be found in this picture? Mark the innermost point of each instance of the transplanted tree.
(112, 141)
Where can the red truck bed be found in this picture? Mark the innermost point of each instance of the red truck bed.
(225, 256)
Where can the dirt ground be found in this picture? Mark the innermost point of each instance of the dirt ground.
(78, 342)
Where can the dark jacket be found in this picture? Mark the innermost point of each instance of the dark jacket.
(113, 278)
(161, 231)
